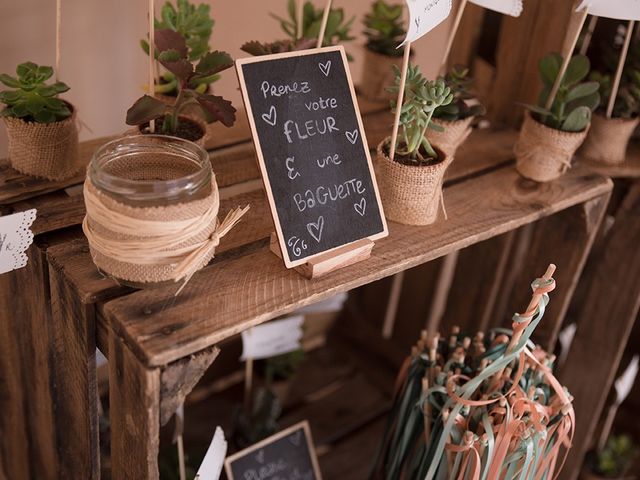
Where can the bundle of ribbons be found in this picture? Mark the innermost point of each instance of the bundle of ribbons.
(485, 408)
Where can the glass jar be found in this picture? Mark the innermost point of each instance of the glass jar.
(147, 180)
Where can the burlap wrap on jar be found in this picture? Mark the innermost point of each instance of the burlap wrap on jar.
(608, 139)
(377, 75)
(46, 150)
(544, 153)
(410, 194)
(144, 272)
(454, 135)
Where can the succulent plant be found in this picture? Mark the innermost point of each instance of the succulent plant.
(173, 55)
(337, 28)
(195, 24)
(421, 99)
(459, 82)
(615, 460)
(384, 28)
(31, 99)
(627, 102)
(575, 101)
(257, 49)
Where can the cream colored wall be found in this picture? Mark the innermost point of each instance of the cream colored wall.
(105, 68)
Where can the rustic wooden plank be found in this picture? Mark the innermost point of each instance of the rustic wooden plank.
(256, 287)
(134, 405)
(605, 320)
(564, 239)
(73, 379)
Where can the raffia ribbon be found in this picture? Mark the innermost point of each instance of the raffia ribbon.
(156, 242)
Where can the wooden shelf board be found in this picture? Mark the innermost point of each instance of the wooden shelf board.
(630, 168)
(232, 295)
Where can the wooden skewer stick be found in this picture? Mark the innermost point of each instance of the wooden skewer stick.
(323, 25)
(588, 35)
(152, 58)
(300, 18)
(248, 384)
(565, 61)
(403, 81)
(618, 77)
(452, 35)
(58, 37)
(392, 305)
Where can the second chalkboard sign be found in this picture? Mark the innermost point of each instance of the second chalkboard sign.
(312, 151)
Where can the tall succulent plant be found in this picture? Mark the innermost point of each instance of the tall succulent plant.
(421, 99)
(384, 28)
(576, 99)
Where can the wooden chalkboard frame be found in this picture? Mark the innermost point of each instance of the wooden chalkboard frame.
(304, 425)
(262, 164)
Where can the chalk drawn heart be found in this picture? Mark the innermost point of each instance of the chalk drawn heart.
(352, 136)
(325, 67)
(260, 456)
(315, 228)
(360, 206)
(295, 439)
(270, 118)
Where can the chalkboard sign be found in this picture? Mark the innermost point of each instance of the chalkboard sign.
(312, 151)
(288, 455)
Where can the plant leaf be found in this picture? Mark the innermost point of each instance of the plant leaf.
(167, 39)
(145, 109)
(214, 62)
(220, 109)
(549, 67)
(577, 120)
(577, 70)
(9, 81)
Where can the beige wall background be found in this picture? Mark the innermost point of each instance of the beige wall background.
(103, 64)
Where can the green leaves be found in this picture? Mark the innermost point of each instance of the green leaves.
(577, 120)
(32, 99)
(384, 28)
(459, 82)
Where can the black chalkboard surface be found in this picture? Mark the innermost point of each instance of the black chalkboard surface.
(312, 151)
(288, 455)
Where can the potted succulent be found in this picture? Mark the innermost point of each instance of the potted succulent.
(411, 182)
(549, 138)
(384, 29)
(613, 462)
(43, 137)
(194, 23)
(173, 119)
(257, 49)
(608, 138)
(452, 123)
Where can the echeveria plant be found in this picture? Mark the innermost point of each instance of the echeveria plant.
(384, 28)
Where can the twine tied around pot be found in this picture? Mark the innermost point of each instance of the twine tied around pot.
(123, 238)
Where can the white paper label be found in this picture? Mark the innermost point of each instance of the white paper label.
(508, 7)
(624, 384)
(211, 466)
(616, 9)
(15, 238)
(333, 304)
(424, 16)
(273, 338)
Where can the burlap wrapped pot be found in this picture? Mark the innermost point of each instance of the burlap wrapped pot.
(454, 134)
(377, 74)
(46, 150)
(410, 194)
(543, 153)
(608, 139)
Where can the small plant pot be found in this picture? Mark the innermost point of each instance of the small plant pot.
(608, 139)
(193, 129)
(454, 135)
(543, 153)
(410, 194)
(46, 150)
(377, 75)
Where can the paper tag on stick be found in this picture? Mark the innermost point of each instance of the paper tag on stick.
(424, 16)
(15, 238)
(618, 9)
(211, 466)
(508, 7)
(273, 338)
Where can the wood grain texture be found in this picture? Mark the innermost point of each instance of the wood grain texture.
(73, 377)
(605, 320)
(134, 404)
(253, 288)
(178, 379)
(465, 44)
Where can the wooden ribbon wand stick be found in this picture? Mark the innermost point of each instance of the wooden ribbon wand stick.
(620, 69)
(299, 19)
(58, 37)
(452, 35)
(323, 25)
(152, 58)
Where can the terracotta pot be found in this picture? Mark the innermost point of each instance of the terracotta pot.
(543, 153)
(410, 194)
(455, 133)
(191, 118)
(47, 150)
(608, 139)
(377, 75)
